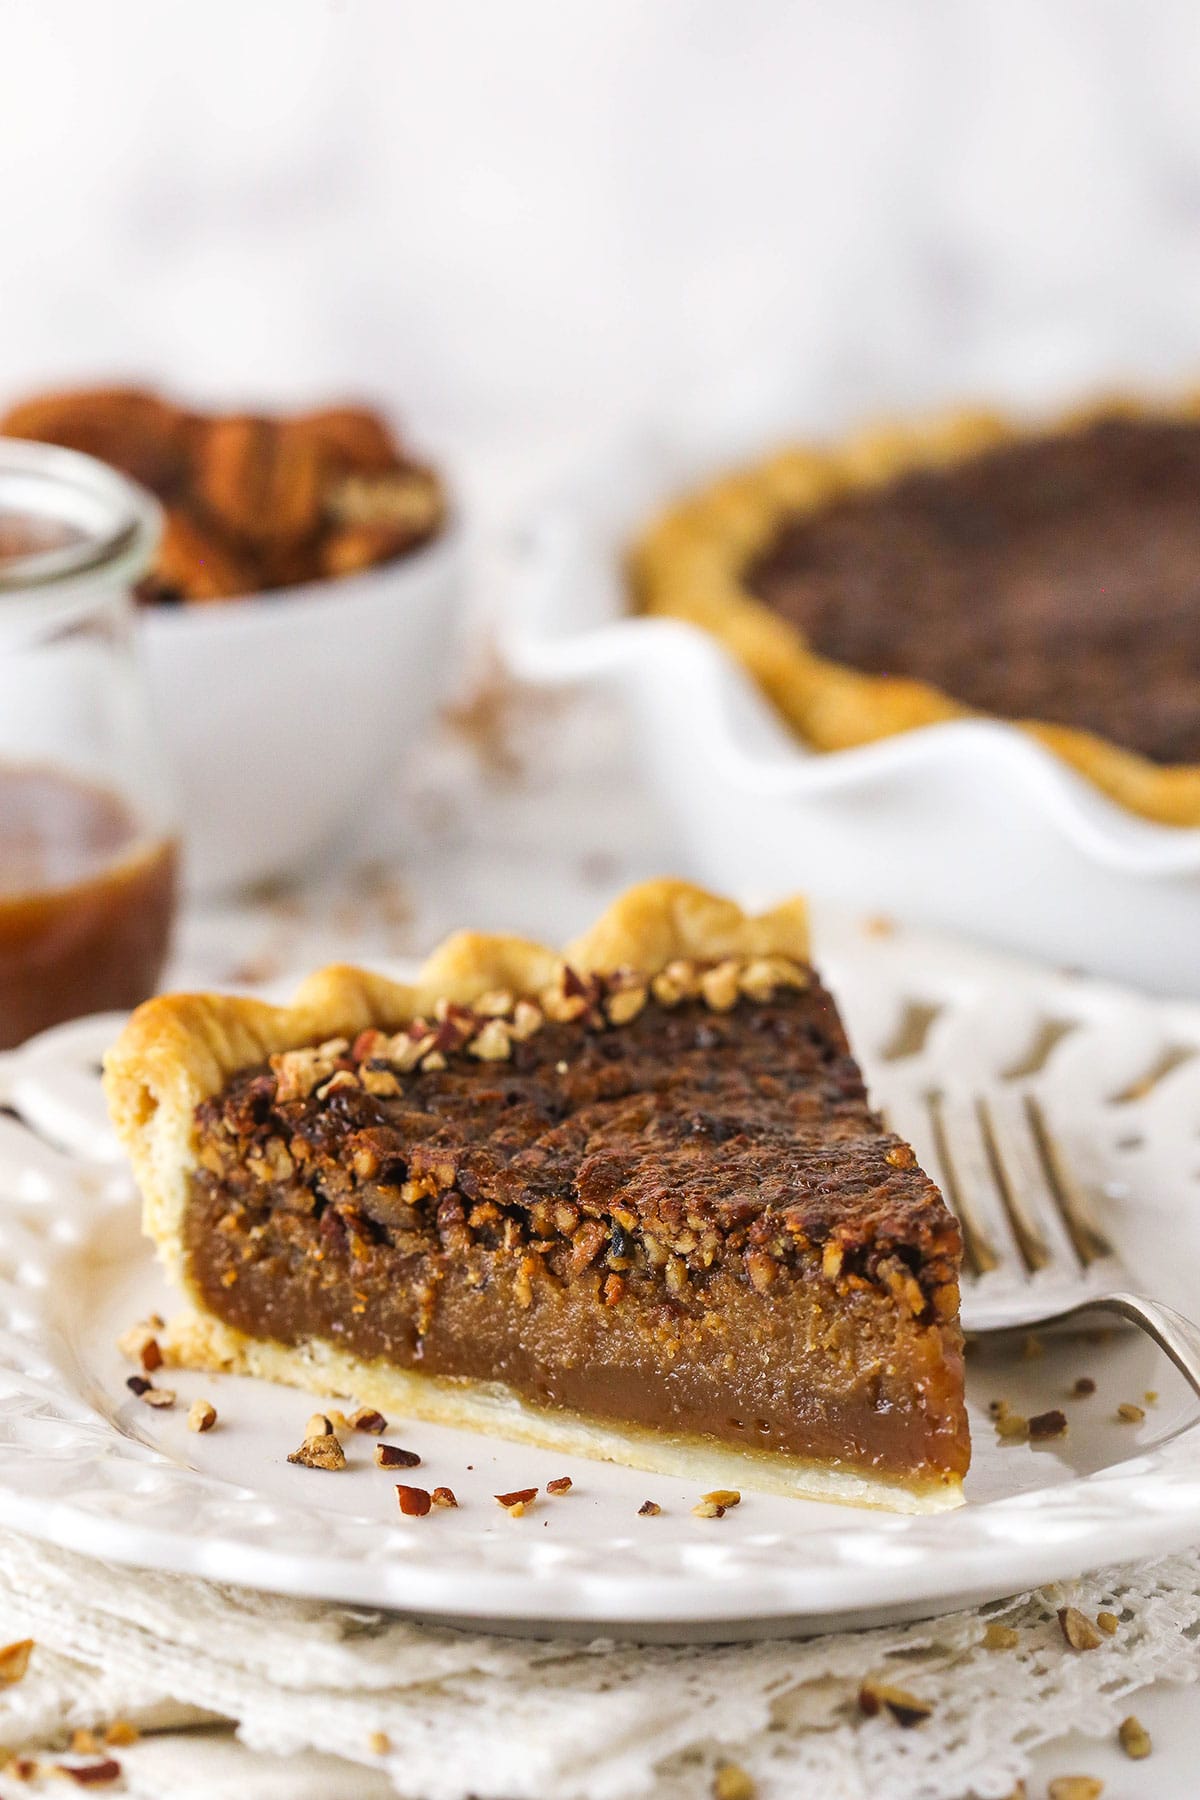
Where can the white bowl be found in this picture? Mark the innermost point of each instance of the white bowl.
(283, 712)
(971, 826)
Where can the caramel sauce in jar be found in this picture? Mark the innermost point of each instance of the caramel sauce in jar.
(86, 901)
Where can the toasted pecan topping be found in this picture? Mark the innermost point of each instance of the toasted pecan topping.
(649, 1509)
(653, 1205)
(561, 1485)
(444, 1496)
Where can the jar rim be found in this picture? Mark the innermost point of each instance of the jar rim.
(106, 524)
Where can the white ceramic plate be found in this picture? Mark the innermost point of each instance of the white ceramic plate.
(970, 826)
(86, 1465)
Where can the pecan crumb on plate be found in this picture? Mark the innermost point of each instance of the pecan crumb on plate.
(391, 1456)
(414, 1502)
(319, 1453)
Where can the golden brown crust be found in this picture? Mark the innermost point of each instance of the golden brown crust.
(689, 565)
(179, 1049)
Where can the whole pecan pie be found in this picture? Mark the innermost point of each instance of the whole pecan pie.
(628, 1200)
(934, 572)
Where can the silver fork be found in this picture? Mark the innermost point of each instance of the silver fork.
(1033, 1251)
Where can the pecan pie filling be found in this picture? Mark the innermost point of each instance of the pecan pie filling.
(663, 1204)
(1054, 578)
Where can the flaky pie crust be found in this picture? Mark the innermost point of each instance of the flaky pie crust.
(690, 565)
(180, 1049)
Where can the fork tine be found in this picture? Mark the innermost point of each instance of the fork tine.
(971, 1188)
(1025, 1187)
(1091, 1243)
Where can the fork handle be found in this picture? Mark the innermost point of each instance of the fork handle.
(1169, 1329)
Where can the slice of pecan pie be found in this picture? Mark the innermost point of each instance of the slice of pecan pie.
(628, 1201)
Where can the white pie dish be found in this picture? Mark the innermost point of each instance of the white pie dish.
(282, 712)
(87, 1466)
(970, 826)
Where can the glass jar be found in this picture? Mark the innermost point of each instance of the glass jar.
(88, 859)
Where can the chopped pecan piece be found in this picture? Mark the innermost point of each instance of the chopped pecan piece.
(649, 1509)
(1013, 1427)
(391, 1456)
(905, 1708)
(1052, 1424)
(1078, 1629)
(368, 1420)
(91, 1774)
(414, 1502)
(732, 1783)
(561, 1485)
(444, 1496)
(319, 1453)
(515, 1503)
(14, 1661)
(1133, 1738)
(202, 1415)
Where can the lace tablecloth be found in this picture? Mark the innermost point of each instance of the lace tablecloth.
(331, 1703)
(361, 1703)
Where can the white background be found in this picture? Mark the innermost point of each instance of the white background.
(530, 219)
